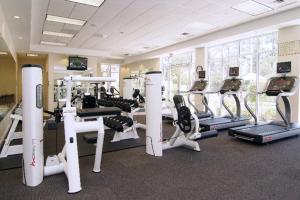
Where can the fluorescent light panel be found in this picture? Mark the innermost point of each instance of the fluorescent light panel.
(3, 53)
(252, 8)
(31, 54)
(65, 20)
(95, 3)
(58, 34)
(53, 43)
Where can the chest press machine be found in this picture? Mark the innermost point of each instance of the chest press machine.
(67, 160)
(187, 131)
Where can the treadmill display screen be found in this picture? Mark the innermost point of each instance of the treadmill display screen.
(201, 74)
(231, 85)
(199, 85)
(233, 71)
(284, 67)
(278, 85)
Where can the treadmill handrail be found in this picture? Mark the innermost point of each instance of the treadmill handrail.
(226, 107)
(248, 107)
(287, 116)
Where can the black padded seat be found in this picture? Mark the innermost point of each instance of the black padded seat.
(201, 115)
(91, 112)
(90, 138)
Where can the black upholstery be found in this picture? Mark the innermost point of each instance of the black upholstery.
(89, 101)
(90, 112)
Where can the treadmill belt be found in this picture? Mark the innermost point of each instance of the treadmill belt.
(262, 130)
(215, 121)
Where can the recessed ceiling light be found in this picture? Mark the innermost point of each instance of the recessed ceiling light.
(58, 34)
(20, 37)
(17, 17)
(65, 20)
(95, 3)
(31, 54)
(184, 34)
(100, 35)
(252, 8)
(3, 53)
(53, 43)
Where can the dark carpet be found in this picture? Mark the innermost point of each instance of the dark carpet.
(54, 141)
(225, 169)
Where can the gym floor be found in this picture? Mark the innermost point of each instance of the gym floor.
(226, 168)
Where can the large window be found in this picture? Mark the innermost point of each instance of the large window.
(111, 71)
(256, 58)
(177, 72)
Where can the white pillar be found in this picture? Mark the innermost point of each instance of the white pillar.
(199, 61)
(153, 113)
(289, 50)
(128, 87)
(32, 125)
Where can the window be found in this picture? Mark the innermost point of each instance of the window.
(111, 70)
(256, 58)
(177, 73)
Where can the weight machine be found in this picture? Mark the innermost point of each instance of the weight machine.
(67, 160)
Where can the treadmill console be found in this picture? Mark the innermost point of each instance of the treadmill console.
(231, 85)
(278, 85)
(234, 71)
(201, 74)
(284, 67)
(199, 85)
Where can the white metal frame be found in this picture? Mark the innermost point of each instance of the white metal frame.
(67, 160)
(154, 141)
(7, 148)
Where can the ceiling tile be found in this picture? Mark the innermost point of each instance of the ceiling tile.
(63, 39)
(83, 12)
(60, 8)
(70, 28)
(53, 26)
(49, 38)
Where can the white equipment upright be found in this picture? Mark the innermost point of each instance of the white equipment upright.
(33, 162)
(128, 87)
(32, 126)
(153, 81)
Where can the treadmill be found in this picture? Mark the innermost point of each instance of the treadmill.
(282, 87)
(198, 88)
(231, 86)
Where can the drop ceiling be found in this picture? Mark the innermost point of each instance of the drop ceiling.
(120, 27)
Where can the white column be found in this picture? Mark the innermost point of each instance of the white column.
(290, 36)
(199, 60)
(154, 113)
(32, 125)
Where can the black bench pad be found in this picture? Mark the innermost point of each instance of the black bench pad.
(91, 112)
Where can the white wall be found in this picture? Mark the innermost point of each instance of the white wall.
(200, 59)
(126, 69)
(285, 35)
(61, 61)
